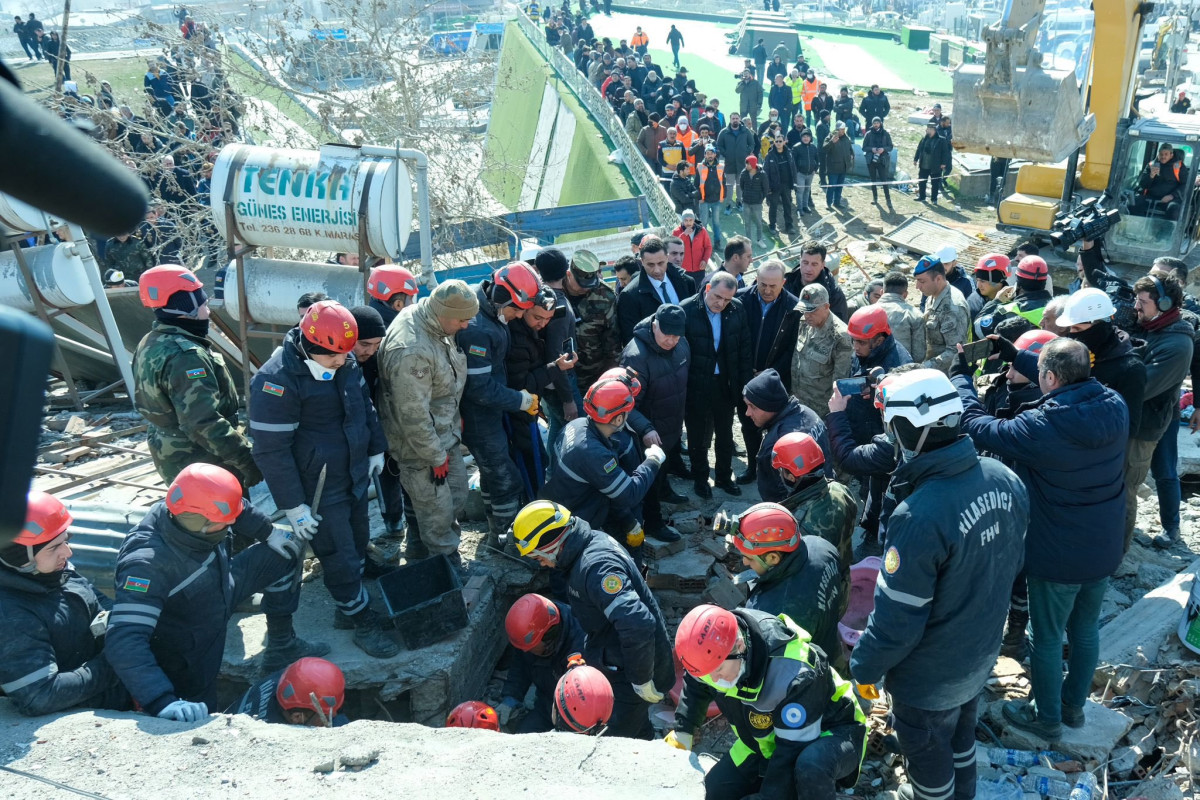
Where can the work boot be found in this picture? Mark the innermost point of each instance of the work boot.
(1014, 644)
(748, 477)
(702, 489)
(1023, 715)
(493, 534)
(342, 621)
(1165, 539)
(664, 533)
(278, 657)
(1072, 716)
(414, 548)
(370, 636)
(729, 487)
(668, 495)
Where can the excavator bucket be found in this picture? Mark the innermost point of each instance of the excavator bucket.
(1037, 116)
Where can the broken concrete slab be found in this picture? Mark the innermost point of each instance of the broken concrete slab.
(655, 550)
(1102, 729)
(716, 547)
(726, 594)
(1160, 788)
(1148, 623)
(132, 755)
(689, 567)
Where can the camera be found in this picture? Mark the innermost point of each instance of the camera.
(1089, 220)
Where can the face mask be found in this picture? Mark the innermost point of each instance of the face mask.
(318, 371)
(1094, 336)
(734, 682)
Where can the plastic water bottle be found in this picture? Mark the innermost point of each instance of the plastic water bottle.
(1085, 788)
(999, 757)
(1047, 787)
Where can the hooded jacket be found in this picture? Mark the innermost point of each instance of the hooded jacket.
(794, 283)
(811, 586)
(1117, 365)
(794, 418)
(663, 374)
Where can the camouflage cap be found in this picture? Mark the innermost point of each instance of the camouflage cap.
(813, 297)
(585, 268)
(454, 300)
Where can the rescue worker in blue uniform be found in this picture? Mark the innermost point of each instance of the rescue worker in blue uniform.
(512, 291)
(311, 415)
(800, 731)
(391, 288)
(626, 632)
(548, 641)
(600, 477)
(955, 542)
(50, 656)
(308, 692)
(177, 585)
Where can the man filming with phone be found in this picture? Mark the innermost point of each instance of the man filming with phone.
(1160, 185)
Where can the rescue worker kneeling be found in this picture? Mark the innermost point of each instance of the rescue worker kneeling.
(548, 640)
(800, 731)
(583, 702)
(309, 692)
(50, 656)
(473, 714)
(177, 586)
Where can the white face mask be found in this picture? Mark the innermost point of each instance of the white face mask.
(320, 372)
(730, 684)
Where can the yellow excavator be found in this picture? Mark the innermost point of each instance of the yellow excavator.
(1081, 142)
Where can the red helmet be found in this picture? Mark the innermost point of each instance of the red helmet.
(387, 280)
(705, 639)
(767, 528)
(798, 453)
(312, 676)
(521, 282)
(529, 619)
(208, 490)
(1034, 340)
(626, 375)
(45, 519)
(606, 400)
(474, 714)
(157, 284)
(330, 325)
(868, 322)
(1033, 268)
(583, 699)
(992, 262)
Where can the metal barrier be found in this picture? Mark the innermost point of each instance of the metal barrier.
(661, 206)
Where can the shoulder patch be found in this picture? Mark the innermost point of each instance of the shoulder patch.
(133, 584)
(198, 372)
(610, 465)
(273, 388)
(760, 721)
(612, 584)
(476, 350)
(793, 716)
(891, 561)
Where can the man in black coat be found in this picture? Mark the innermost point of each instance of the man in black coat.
(812, 269)
(719, 337)
(656, 283)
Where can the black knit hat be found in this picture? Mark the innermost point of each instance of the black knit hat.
(766, 390)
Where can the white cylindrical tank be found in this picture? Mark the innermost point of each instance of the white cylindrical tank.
(273, 287)
(19, 217)
(58, 272)
(313, 199)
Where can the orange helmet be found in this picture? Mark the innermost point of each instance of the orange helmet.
(1033, 268)
(45, 519)
(157, 284)
(868, 322)
(607, 400)
(308, 678)
(330, 325)
(208, 490)
(766, 528)
(705, 638)
(521, 283)
(994, 262)
(583, 699)
(529, 620)
(388, 280)
(626, 375)
(474, 714)
(798, 453)
(1034, 340)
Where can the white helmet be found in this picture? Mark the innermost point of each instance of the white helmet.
(1086, 305)
(922, 397)
(947, 254)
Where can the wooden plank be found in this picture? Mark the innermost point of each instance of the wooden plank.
(93, 438)
(1149, 622)
(69, 455)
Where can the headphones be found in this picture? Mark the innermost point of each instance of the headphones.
(1165, 303)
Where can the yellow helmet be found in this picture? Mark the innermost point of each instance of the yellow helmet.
(542, 521)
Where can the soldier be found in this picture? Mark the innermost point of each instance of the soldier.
(595, 305)
(423, 374)
(182, 386)
(391, 288)
(822, 506)
(823, 348)
(947, 316)
(127, 254)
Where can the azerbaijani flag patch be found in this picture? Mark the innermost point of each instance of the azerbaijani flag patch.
(476, 350)
(273, 388)
(198, 372)
(136, 584)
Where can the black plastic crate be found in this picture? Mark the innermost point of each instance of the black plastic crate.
(425, 601)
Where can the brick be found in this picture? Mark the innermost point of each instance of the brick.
(655, 550)
(724, 594)
(717, 548)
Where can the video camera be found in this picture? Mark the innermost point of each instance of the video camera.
(1089, 220)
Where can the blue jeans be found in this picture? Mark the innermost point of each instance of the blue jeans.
(710, 215)
(1054, 608)
(557, 421)
(1164, 466)
(833, 189)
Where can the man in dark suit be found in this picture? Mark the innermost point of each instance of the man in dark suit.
(656, 283)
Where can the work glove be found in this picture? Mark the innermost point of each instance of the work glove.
(303, 521)
(437, 475)
(679, 740)
(656, 454)
(867, 691)
(375, 465)
(529, 403)
(286, 543)
(183, 711)
(1007, 350)
(647, 692)
(505, 710)
(635, 535)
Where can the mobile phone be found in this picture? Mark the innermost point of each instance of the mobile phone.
(977, 351)
(568, 345)
(848, 387)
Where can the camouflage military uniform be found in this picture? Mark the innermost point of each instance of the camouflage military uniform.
(131, 256)
(828, 510)
(595, 333)
(822, 355)
(186, 393)
(947, 323)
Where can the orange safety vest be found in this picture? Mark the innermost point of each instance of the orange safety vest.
(639, 40)
(704, 180)
(810, 91)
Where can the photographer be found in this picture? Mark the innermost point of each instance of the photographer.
(1160, 185)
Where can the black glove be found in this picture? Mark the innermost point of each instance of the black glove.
(1006, 349)
(960, 365)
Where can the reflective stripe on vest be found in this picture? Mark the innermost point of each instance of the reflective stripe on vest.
(1033, 315)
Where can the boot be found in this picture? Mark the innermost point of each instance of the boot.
(276, 657)
(341, 621)
(414, 548)
(493, 534)
(1014, 645)
(370, 636)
